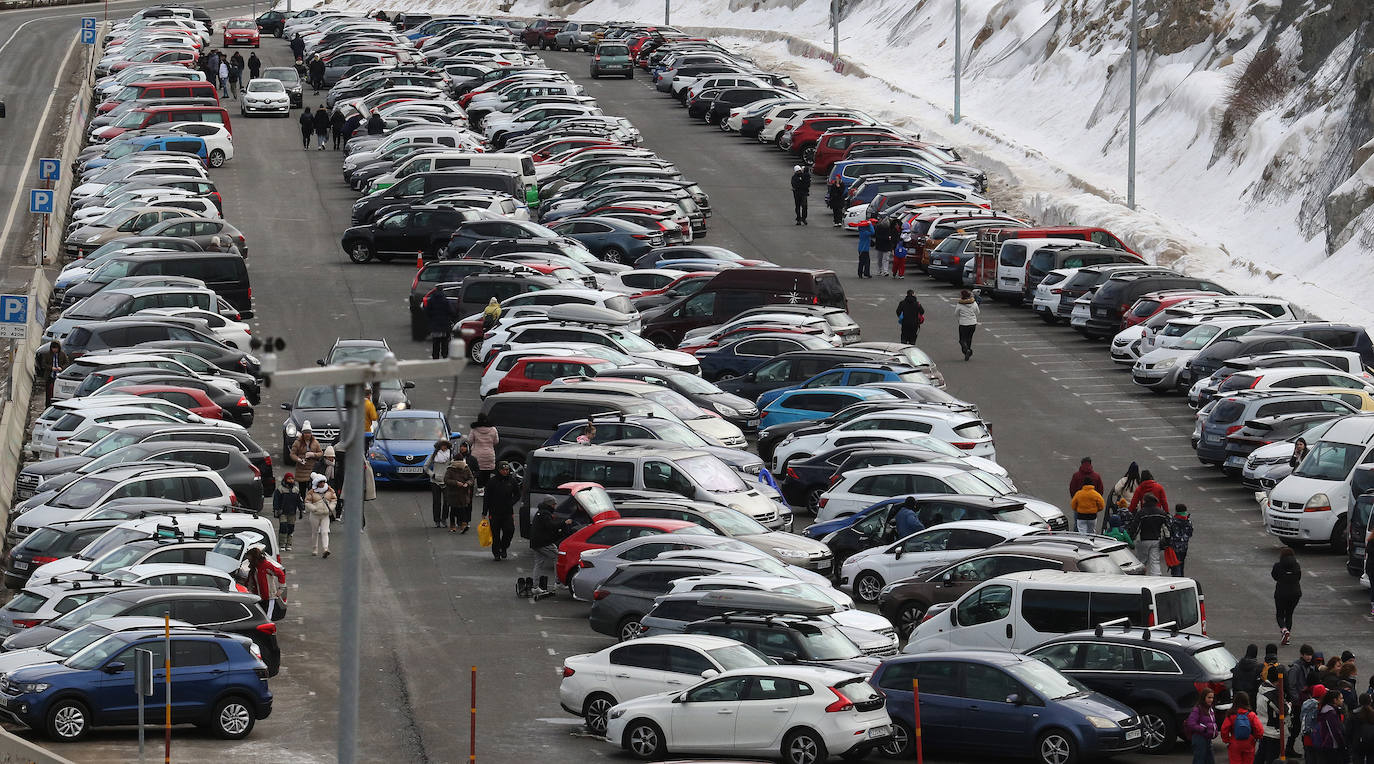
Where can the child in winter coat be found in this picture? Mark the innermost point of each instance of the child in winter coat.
(287, 506)
(1086, 503)
(1116, 528)
(1201, 728)
(1241, 731)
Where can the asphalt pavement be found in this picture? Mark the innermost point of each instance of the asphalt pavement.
(435, 604)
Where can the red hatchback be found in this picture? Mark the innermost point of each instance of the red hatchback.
(530, 375)
(196, 401)
(608, 533)
(241, 32)
(801, 140)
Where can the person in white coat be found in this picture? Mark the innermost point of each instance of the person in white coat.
(966, 312)
(320, 503)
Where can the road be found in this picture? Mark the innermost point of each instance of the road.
(436, 605)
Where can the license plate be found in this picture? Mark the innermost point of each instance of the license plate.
(1235, 461)
(754, 422)
(1132, 734)
(20, 565)
(824, 564)
(410, 470)
(882, 731)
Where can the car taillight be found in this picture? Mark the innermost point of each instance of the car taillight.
(1256, 382)
(1233, 428)
(835, 478)
(257, 473)
(567, 672)
(793, 474)
(841, 703)
(267, 460)
(965, 446)
(1056, 291)
(600, 594)
(268, 628)
(241, 588)
(1202, 612)
(416, 283)
(43, 560)
(823, 502)
(27, 623)
(581, 563)
(233, 498)
(640, 236)
(243, 401)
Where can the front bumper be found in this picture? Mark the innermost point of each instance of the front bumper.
(273, 108)
(1155, 379)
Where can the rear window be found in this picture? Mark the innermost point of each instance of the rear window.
(1053, 278)
(1145, 308)
(26, 602)
(1178, 606)
(974, 430)
(1216, 660)
(1102, 564)
(1237, 382)
(613, 50)
(42, 540)
(1227, 411)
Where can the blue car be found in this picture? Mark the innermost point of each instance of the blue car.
(850, 170)
(805, 405)
(735, 359)
(218, 681)
(610, 239)
(188, 144)
(851, 374)
(993, 703)
(401, 442)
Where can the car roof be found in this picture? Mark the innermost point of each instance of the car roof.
(925, 468)
(1138, 635)
(992, 526)
(996, 657)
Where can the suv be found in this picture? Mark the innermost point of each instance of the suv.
(622, 599)
(421, 229)
(1120, 292)
(226, 459)
(1234, 412)
(37, 603)
(797, 634)
(527, 420)
(50, 543)
(1158, 673)
(450, 273)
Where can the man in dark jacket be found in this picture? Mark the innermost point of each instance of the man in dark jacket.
(322, 126)
(498, 506)
(307, 121)
(1153, 519)
(375, 125)
(316, 69)
(288, 505)
(336, 127)
(545, 533)
(834, 199)
(254, 65)
(441, 318)
(1298, 683)
(1085, 474)
(298, 46)
(801, 189)
(909, 315)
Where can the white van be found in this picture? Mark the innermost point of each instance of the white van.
(520, 164)
(1310, 505)
(1020, 610)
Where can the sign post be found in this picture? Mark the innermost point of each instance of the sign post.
(143, 687)
(916, 714)
(41, 202)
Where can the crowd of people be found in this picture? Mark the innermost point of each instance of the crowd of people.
(226, 72)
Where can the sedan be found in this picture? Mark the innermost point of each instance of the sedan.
(875, 525)
(860, 488)
(617, 241)
(600, 535)
(265, 95)
(806, 712)
(290, 79)
(739, 357)
(402, 441)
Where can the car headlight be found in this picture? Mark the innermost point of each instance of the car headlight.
(1101, 722)
(290, 430)
(93, 239)
(376, 456)
(615, 713)
(724, 410)
(790, 554)
(1319, 502)
(1167, 363)
(26, 687)
(402, 406)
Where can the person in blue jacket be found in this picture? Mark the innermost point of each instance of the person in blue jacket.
(865, 240)
(907, 521)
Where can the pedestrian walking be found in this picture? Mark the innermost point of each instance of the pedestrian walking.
(223, 80)
(1148, 487)
(288, 506)
(899, 249)
(884, 241)
(254, 66)
(1287, 575)
(1241, 730)
(298, 46)
(801, 190)
(320, 502)
(1299, 682)
(546, 531)
(261, 570)
(1245, 675)
(435, 466)
(834, 199)
(329, 467)
(440, 316)
(306, 452)
(315, 68)
(237, 58)
(1328, 731)
(1359, 731)
(1085, 474)
(865, 241)
(56, 362)
(1125, 486)
(1180, 534)
(235, 76)
(1117, 529)
(910, 315)
(498, 506)
(307, 122)
(322, 126)
(336, 127)
(1201, 728)
(1086, 504)
(1153, 522)
(1270, 709)
(483, 439)
(966, 312)
(459, 483)
(375, 124)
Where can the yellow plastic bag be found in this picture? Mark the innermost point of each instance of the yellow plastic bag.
(484, 532)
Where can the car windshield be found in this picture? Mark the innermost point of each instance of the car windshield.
(284, 74)
(932, 443)
(111, 539)
(1044, 680)
(83, 493)
(76, 640)
(998, 482)
(240, 24)
(674, 402)
(712, 474)
(738, 657)
(676, 433)
(690, 384)
(131, 119)
(827, 644)
(114, 457)
(1197, 338)
(1330, 460)
(631, 343)
(411, 428)
(968, 484)
(735, 523)
(1216, 660)
(319, 398)
(266, 86)
(95, 655)
(117, 559)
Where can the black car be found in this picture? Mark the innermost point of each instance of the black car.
(719, 107)
(806, 479)
(470, 233)
(1362, 488)
(473, 294)
(1258, 342)
(796, 367)
(238, 365)
(739, 411)
(232, 612)
(418, 230)
(450, 273)
(1155, 671)
(799, 638)
(226, 459)
(272, 22)
(49, 543)
(413, 187)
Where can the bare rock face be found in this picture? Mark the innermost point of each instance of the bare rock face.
(1350, 207)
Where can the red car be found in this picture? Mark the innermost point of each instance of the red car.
(532, 374)
(607, 533)
(568, 145)
(241, 32)
(1148, 305)
(687, 283)
(832, 146)
(801, 140)
(540, 33)
(196, 401)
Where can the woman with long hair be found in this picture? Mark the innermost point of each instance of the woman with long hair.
(1287, 575)
(1201, 727)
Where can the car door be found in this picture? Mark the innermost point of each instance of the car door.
(391, 233)
(705, 717)
(982, 619)
(114, 700)
(638, 669)
(769, 703)
(990, 714)
(200, 670)
(925, 549)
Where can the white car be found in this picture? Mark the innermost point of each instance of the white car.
(845, 615)
(265, 96)
(940, 451)
(968, 434)
(596, 565)
(74, 421)
(69, 643)
(866, 573)
(858, 489)
(1045, 300)
(141, 197)
(806, 713)
(235, 334)
(594, 682)
(1158, 369)
(176, 574)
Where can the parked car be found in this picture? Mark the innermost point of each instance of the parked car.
(402, 440)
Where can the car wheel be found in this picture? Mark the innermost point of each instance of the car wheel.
(360, 252)
(909, 617)
(803, 746)
(613, 255)
(899, 745)
(517, 469)
(628, 628)
(813, 500)
(662, 340)
(233, 718)
(1159, 730)
(594, 712)
(867, 586)
(644, 739)
(217, 158)
(475, 351)
(1338, 541)
(808, 156)
(1055, 747)
(68, 720)
(726, 375)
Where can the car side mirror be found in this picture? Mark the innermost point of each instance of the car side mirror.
(1015, 699)
(789, 657)
(319, 362)
(897, 555)
(113, 667)
(710, 674)
(286, 407)
(681, 698)
(455, 436)
(407, 385)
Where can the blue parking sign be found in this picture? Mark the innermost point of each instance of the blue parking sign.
(88, 22)
(50, 169)
(88, 37)
(41, 201)
(14, 315)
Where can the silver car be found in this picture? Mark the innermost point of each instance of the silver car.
(598, 564)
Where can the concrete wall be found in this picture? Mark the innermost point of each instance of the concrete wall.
(16, 750)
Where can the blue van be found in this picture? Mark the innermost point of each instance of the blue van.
(185, 144)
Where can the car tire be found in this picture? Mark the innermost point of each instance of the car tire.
(614, 255)
(808, 156)
(517, 468)
(909, 616)
(899, 745)
(1055, 746)
(1159, 729)
(813, 500)
(217, 157)
(1338, 541)
(233, 718)
(662, 340)
(867, 586)
(475, 351)
(594, 710)
(68, 720)
(360, 252)
(725, 375)
(644, 740)
(628, 628)
(804, 746)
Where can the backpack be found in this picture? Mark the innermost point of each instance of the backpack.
(1272, 697)
(1241, 728)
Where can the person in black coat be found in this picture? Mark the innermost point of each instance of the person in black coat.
(316, 70)
(801, 189)
(909, 314)
(834, 199)
(546, 531)
(441, 318)
(498, 506)
(1287, 575)
(322, 126)
(375, 125)
(298, 46)
(254, 66)
(351, 125)
(336, 127)
(1245, 675)
(307, 121)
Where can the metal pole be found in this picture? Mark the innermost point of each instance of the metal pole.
(916, 717)
(167, 665)
(1283, 724)
(835, 31)
(958, 53)
(1130, 150)
(472, 730)
(667, 15)
(350, 583)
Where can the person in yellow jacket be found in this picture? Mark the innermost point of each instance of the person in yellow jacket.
(369, 412)
(1086, 503)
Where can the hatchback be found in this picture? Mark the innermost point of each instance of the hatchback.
(808, 405)
(606, 533)
(40, 602)
(401, 442)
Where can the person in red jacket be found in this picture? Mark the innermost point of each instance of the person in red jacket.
(1240, 743)
(1148, 485)
(1085, 474)
(261, 570)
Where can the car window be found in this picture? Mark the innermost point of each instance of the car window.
(157, 648)
(612, 535)
(938, 677)
(771, 688)
(187, 653)
(1061, 657)
(1105, 656)
(1157, 661)
(640, 656)
(1052, 612)
(718, 691)
(684, 660)
(988, 683)
(985, 605)
(931, 541)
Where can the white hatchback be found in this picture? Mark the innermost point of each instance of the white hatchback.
(1045, 300)
(968, 435)
(865, 573)
(859, 489)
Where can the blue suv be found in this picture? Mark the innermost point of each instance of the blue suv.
(851, 375)
(218, 682)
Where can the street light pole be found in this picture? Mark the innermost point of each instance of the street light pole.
(667, 15)
(958, 53)
(835, 31)
(1130, 149)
